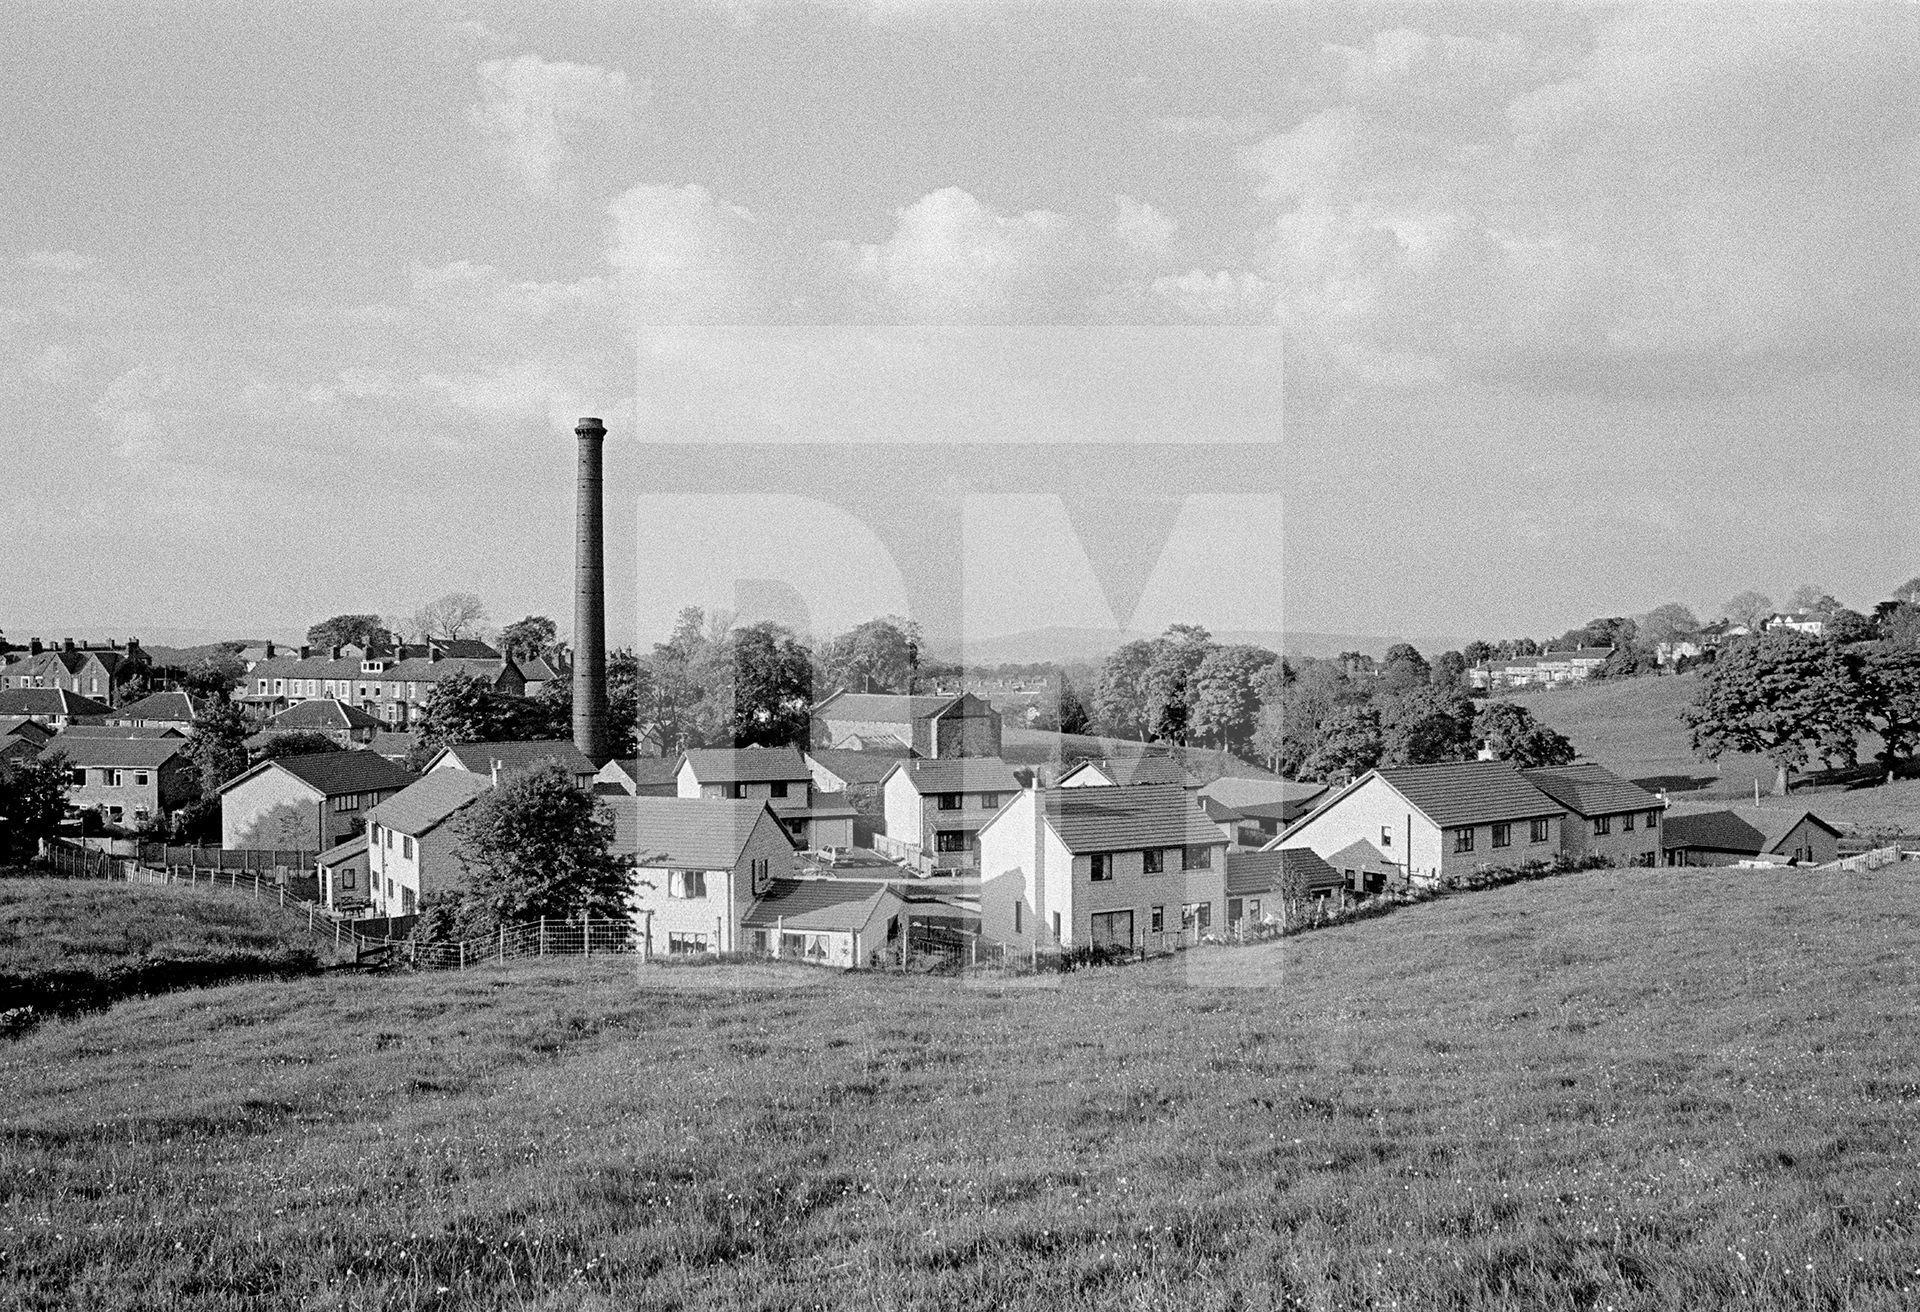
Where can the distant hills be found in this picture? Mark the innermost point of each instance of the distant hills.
(1065, 645)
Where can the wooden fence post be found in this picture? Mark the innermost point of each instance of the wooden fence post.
(256, 888)
(283, 895)
(309, 917)
(503, 945)
(543, 936)
(463, 954)
(586, 934)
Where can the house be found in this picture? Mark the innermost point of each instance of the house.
(538, 672)
(397, 745)
(100, 671)
(77, 731)
(306, 802)
(698, 864)
(19, 728)
(1268, 805)
(837, 769)
(825, 922)
(413, 849)
(1101, 868)
(392, 686)
(936, 726)
(1363, 868)
(160, 710)
(1126, 771)
(349, 726)
(343, 875)
(935, 809)
(498, 760)
(1430, 822)
(1733, 837)
(1234, 827)
(776, 775)
(1547, 669)
(54, 707)
(127, 780)
(1258, 883)
(639, 776)
(1606, 815)
(1799, 621)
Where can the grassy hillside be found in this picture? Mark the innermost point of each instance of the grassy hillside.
(67, 943)
(1615, 1089)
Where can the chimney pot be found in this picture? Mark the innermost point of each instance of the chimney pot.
(333, 652)
(305, 651)
(34, 647)
(67, 644)
(269, 651)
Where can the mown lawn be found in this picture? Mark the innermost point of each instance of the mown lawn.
(1613, 1089)
(72, 943)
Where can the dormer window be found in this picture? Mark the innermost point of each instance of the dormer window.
(373, 667)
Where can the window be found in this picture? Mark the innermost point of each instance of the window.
(1111, 930)
(1056, 926)
(140, 778)
(988, 801)
(1100, 866)
(117, 778)
(685, 945)
(406, 848)
(1626, 823)
(388, 843)
(759, 941)
(1536, 831)
(406, 901)
(1602, 824)
(736, 790)
(950, 840)
(1463, 840)
(1016, 917)
(1154, 860)
(812, 947)
(687, 883)
(758, 871)
(1197, 914)
(1253, 908)
(1503, 835)
(77, 776)
(114, 813)
(947, 801)
(1157, 918)
(1386, 835)
(1200, 858)
(1653, 819)
(346, 877)
(778, 788)
(1235, 909)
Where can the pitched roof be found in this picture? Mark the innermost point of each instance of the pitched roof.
(1460, 793)
(645, 771)
(726, 765)
(958, 774)
(1588, 789)
(514, 757)
(321, 713)
(133, 753)
(698, 833)
(49, 701)
(1268, 871)
(335, 773)
(177, 706)
(1362, 855)
(816, 904)
(882, 708)
(538, 669)
(335, 855)
(866, 767)
(1747, 830)
(20, 726)
(1115, 819)
(1129, 771)
(122, 731)
(428, 801)
(1242, 794)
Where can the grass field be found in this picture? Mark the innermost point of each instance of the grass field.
(1610, 1090)
(68, 943)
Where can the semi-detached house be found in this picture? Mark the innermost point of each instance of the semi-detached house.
(413, 846)
(778, 776)
(306, 802)
(936, 809)
(128, 780)
(1607, 816)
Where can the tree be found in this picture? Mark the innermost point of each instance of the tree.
(456, 615)
(464, 709)
(1450, 670)
(1625, 662)
(215, 674)
(350, 631)
(1784, 695)
(1812, 599)
(1511, 734)
(1749, 608)
(218, 747)
(1404, 669)
(771, 687)
(1909, 591)
(537, 846)
(1074, 716)
(1351, 743)
(1169, 681)
(305, 743)
(1478, 653)
(526, 638)
(1120, 697)
(1426, 725)
(1890, 688)
(1226, 695)
(881, 655)
(33, 800)
(1668, 623)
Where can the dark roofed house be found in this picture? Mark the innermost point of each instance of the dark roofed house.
(825, 922)
(77, 731)
(414, 851)
(936, 808)
(1431, 822)
(160, 710)
(1607, 816)
(307, 803)
(933, 726)
(1749, 835)
(698, 864)
(54, 707)
(510, 758)
(639, 776)
(392, 686)
(836, 769)
(99, 671)
(1128, 771)
(1268, 805)
(129, 781)
(1259, 883)
(348, 726)
(778, 776)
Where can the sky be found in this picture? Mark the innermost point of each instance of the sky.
(1357, 319)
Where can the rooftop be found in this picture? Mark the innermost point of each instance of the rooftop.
(127, 753)
(1589, 789)
(1460, 793)
(726, 765)
(865, 767)
(882, 708)
(334, 774)
(426, 802)
(1269, 871)
(49, 701)
(958, 774)
(1116, 819)
(695, 833)
(815, 904)
(175, 706)
(514, 757)
(323, 713)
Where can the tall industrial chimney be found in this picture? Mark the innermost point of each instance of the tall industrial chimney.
(590, 604)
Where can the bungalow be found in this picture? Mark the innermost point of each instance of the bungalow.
(499, 760)
(1260, 883)
(1606, 815)
(1730, 837)
(54, 707)
(348, 726)
(698, 864)
(160, 710)
(127, 780)
(776, 775)
(1105, 868)
(306, 802)
(414, 852)
(343, 875)
(1798, 621)
(935, 726)
(1433, 821)
(935, 809)
(826, 922)
(1126, 772)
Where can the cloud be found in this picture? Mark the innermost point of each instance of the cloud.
(533, 113)
(1141, 227)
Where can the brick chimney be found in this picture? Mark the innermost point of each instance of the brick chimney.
(66, 644)
(35, 647)
(590, 599)
(305, 651)
(269, 651)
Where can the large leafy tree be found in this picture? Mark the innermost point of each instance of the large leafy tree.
(676, 697)
(1511, 734)
(1171, 679)
(1404, 669)
(1450, 670)
(881, 655)
(304, 743)
(1668, 623)
(771, 687)
(537, 846)
(218, 747)
(1890, 688)
(1748, 608)
(526, 638)
(456, 615)
(1226, 695)
(1909, 591)
(464, 709)
(1350, 742)
(33, 798)
(1120, 696)
(1784, 695)
(350, 630)
(1425, 726)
